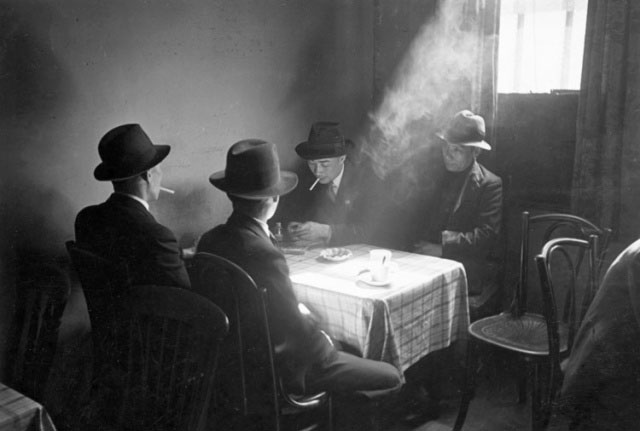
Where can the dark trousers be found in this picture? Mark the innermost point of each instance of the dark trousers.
(347, 373)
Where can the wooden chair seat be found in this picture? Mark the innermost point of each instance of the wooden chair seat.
(527, 334)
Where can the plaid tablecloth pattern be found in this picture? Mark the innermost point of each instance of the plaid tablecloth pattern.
(18, 412)
(423, 309)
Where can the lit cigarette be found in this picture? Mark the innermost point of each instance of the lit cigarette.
(314, 184)
(166, 190)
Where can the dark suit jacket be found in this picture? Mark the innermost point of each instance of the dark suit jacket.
(354, 215)
(476, 221)
(601, 387)
(121, 229)
(243, 241)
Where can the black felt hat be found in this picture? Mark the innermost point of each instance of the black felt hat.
(253, 171)
(127, 151)
(325, 141)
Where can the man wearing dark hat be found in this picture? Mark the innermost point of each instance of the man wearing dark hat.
(253, 182)
(122, 228)
(335, 208)
(466, 222)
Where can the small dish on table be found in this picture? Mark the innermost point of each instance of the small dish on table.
(336, 254)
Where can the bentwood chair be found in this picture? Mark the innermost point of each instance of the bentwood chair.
(249, 390)
(42, 293)
(173, 343)
(523, 329)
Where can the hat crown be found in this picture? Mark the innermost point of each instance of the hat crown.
(124, 144)
(325, 141)
(465, 127)
(252, 165)
(127, 151)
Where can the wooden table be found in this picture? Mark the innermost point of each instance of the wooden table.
(424, 308)
(18, 412)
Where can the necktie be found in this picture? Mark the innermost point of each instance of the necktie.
(332, 191)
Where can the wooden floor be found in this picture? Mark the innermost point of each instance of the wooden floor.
(495, 408)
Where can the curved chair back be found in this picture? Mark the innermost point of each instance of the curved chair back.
(549, 226)
(103, 284)
(174, 338)
(41, 298)
(568, 281)
(249, 382)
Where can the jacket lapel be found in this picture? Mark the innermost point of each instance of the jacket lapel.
(471, 184)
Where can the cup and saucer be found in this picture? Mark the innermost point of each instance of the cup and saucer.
(378, 272)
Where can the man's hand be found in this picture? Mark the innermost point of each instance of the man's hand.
(308, 232)
(428, 248)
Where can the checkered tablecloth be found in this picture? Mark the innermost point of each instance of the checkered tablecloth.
(18, 412)
(424, 308)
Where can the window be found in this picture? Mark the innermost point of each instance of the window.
(541, 45)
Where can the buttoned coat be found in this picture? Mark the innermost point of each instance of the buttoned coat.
(475, 233)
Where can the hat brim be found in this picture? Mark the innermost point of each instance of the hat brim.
(308, 151)
(479, 144)
(104, 172)
(288, 182)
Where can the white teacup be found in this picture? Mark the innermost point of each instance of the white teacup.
(379, 263)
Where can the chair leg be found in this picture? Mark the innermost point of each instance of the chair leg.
(536, 399)
(523, 376)
(330, 424)
(469, 387)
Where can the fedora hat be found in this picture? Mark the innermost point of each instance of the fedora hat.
(127, 151)
(325, 141)
(466, 128)
(253, 171)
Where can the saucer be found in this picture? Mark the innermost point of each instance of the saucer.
(365, 277)
(336, 254)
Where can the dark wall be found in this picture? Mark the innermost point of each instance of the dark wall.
(197, 75)
(535, 146)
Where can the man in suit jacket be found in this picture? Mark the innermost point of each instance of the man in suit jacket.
(253, 182)
(339, 207)
(122, 228)
(601, 387)
(466, 222)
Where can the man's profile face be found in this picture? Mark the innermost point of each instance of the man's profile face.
(457, 157)
(326, 169)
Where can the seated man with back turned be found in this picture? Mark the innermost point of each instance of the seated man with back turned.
(466, 222)
(601, 387)
(337, 208)
(253, 182)
(122, 229)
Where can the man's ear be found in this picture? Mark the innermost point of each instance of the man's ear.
(343, 158)
(145, 176)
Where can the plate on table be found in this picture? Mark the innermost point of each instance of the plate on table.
(336, 254)
(365, 277)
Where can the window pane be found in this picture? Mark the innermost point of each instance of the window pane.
(541, 45)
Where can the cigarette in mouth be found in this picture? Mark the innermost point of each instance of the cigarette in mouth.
(166, 190)
(314, 184)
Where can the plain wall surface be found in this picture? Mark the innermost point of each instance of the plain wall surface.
(198, 75)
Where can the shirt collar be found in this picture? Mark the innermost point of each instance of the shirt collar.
(337, 180)
(264, 226)
(137, 198)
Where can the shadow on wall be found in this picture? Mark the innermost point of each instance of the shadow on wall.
(32, 82)
(330, 79)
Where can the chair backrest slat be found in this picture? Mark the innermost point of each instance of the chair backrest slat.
(248, 354)
(571, 251)
(554, 225)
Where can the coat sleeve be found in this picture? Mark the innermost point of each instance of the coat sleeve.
(164, 253)
(486, 229)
